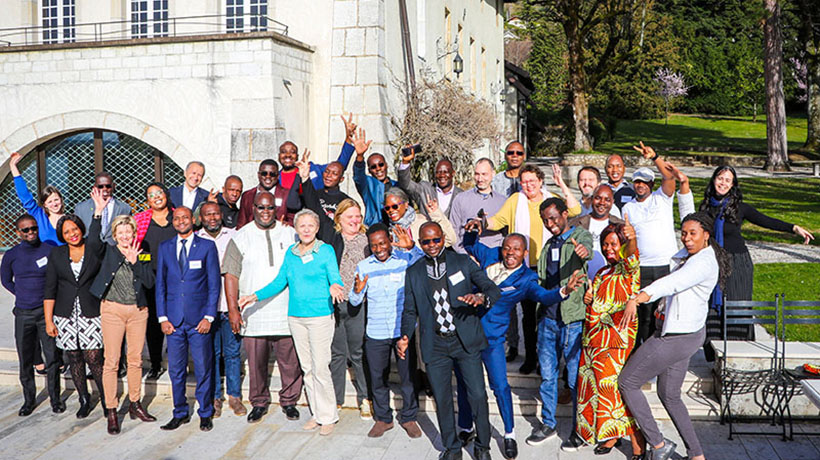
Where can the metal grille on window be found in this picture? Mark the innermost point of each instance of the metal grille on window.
(131, 162)
(58, 18)
(70, 167)
(172, 174)
(10, 207)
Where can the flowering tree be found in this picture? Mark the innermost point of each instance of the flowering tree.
(671, 85)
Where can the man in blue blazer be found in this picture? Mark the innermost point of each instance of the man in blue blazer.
(439, 294)
(187, 288)
(190, 194)
(505, 266)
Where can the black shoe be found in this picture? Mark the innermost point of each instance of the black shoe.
(450, 455)
(510, 448)
(64, 369)
(206, 424)
(481, 453)
(527, 367)
(540, 434)
(291, 412)
(27, 409)
(175, 423)
(257, 413)
(154, 373)
(602, 449)
(85, 406)
(665, 451)
(466, 436)
(58, 407)
(42, 371)
(573, 443)
(512, 353)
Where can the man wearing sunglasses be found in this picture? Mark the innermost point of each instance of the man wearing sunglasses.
(268, 175)
(372, 187)
(23, 273)
(443, 190)
(104, 182)
(439, 293)
(507, 182)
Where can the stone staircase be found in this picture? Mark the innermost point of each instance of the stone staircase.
(697, 391)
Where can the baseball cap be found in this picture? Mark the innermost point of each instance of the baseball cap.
(643, 175)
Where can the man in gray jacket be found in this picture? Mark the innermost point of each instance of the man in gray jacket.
(443, 190)
(85, 210)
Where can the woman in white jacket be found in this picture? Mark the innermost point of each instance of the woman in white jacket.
(694, 272)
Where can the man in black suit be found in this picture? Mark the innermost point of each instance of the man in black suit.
(439, 292)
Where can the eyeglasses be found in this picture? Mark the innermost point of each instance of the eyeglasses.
(265, 208)
(377, 165)
(267, 173)
(27, 230)
(427, 241)
(393, 206)
(102, 186)
(156, 194)
(515, 152)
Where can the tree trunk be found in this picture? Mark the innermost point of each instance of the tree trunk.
(754, 111)
(813, 103)
(778, 155)
(577, 86)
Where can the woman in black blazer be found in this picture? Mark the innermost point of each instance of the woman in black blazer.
(72, 313)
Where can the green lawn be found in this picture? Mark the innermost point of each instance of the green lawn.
(696, 134)
(798, 282)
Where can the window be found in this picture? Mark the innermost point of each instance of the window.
(149, 18)
(58, 21)
(246, 15)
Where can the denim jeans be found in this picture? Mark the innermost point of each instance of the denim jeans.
(556, 339)
(226, 345)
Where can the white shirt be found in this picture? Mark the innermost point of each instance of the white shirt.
(188, 242)
(221, 242)
(188, 196)
(655, 228)
(444, 198)
(598, 260)
(687, 289)
(588, 210)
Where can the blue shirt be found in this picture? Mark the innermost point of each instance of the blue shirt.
(372, 192)
(23, 272)
(308, 278)
(385, 292)
(45, 230)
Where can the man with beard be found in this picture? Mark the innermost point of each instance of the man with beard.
(443, 191)
(104, 182)
(268, 175)
(601, 215)
(469, 204)
(228, 201)
(226, 342)
(372, 187)
(508, 182)
(329, 197)
(252, 259)
(439, 295)
(623, 190)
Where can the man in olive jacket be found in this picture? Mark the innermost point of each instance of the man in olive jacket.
(560, 325)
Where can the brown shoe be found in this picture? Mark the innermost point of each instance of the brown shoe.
(218, 408)
(135, 410)
(237, 406)
(113, 421)
(412, 429)
(379, 428)
(565, 396)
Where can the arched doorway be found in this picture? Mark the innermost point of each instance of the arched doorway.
(69, 163)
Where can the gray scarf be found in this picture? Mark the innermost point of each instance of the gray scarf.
(408, 218)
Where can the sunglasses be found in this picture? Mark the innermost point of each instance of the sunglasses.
(265, 208)
(427, 241)
(267, 173)
(393, 206)
(102, 186)
(377, 165)
(29, 229)
(515, 152)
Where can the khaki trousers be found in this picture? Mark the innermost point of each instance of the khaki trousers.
(122, 321)
(312, 338)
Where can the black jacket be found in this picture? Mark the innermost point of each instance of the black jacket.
(143, 275)
(60, 283)
(327, 226)
(418, 302)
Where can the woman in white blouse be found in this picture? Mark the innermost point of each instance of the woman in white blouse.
(694, 272)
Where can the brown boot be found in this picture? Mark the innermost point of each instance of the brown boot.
(379, 428)
(237, 406)
(412, 429)
(113, 421)
(217, 407)
(137, 411)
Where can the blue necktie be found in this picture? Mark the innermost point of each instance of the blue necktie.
(183, 257)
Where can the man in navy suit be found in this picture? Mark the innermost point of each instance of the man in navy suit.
(439, 293)
(190, 194)
(187, 287)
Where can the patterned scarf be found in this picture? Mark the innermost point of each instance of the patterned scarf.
(406, 220)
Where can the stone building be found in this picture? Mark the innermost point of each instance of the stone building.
(142, 87)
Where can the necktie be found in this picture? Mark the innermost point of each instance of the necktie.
(104, 222)
(183, 257)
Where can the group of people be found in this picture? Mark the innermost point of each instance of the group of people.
(425, 274)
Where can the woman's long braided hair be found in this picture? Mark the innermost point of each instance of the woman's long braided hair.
(724, 259)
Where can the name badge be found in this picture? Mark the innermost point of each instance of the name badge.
(313, 175)
(508, 289)
(456, 278)
(195, 264)
(42, 261)
(625, 198)
(144, 257)
(555, 254)
(307, 258)
(277, 202)
(395, 277)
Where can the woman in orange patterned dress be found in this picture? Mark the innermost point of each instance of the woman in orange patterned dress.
(607, 341)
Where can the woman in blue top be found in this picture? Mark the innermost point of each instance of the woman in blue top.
(47, 212)
(311, 272)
